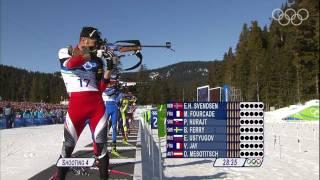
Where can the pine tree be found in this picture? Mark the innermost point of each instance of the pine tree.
(307, 50)
(143, 85)
(256, 55)
(228, 60)
(241, 62)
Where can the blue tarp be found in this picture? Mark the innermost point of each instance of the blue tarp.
(2, 123)
(19, 122)
(29, 122)
(25, 122)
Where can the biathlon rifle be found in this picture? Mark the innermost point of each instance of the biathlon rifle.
(134, 46)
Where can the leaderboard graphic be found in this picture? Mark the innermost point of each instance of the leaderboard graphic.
(232, 133)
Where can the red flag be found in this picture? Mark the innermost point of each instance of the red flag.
(177, 153)
(178, 106)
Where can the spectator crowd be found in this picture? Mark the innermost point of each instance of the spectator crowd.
(12, 111)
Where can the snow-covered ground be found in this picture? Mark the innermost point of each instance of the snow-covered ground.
(282, 113)
(27, 151)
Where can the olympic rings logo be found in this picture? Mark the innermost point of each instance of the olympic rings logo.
(253, 162)
(290, 16)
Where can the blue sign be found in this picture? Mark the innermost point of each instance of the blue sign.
(154, 119)
(203, 93)
(226, 93)
(227, 131)
(199, 129)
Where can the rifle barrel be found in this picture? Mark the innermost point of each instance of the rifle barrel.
(168, 46)
(153, 46)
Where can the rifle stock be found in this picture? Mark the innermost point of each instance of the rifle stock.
(129, 48)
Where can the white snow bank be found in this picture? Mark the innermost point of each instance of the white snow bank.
(279, 114)
(29, 150)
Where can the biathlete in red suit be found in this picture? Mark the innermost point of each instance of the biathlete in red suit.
(85, 76)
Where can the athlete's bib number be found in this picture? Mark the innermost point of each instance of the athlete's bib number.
(79, 80)
(84, 82)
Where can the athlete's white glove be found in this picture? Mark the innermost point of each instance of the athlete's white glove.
(100, 53)
(108, 58)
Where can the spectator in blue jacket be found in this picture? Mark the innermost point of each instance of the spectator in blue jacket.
(41, 114)
(27, 114)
